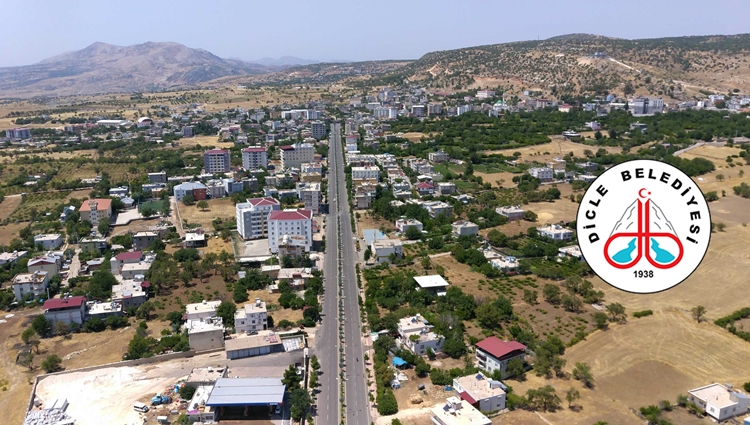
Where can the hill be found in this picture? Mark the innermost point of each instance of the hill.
(104, 68)
(585, 63)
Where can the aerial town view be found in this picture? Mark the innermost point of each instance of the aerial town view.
(470, 213)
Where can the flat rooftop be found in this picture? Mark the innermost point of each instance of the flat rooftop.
(413, 324)
(247, 391)
(431, 281)
(255, 341)
(716, 394)
(205, 374)
(459, 412)
(478, 387)
(204, 307)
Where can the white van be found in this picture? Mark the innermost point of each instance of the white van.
(140, 407)
(162, 419)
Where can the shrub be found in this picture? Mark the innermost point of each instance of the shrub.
(643, 313)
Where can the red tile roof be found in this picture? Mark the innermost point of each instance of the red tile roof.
(254, 150)
(290, 215)
(469, 399)
(71, 302)
(286, 148)
(259, 202)
(499, 348)
(145, 284)
(135, 255)
(101, 204)
(425, 186)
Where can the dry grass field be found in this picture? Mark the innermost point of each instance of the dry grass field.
(217, 208)
(205, 141)
(545, 152)
(717, 154)
(9, 205)
(366, 221)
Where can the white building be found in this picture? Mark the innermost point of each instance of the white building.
(494, 354)
(457, 412)
(719, 401)
(366, 173)
(487, 395)
(555, 232)
(292, 156)
(462, 109)
(403, 224)
(252, 216)
(189, 188)
(647, 106)
(45, 263)
(464, 228)
(318, 129)
(292, 222)
(439, 156)
(309, 193)
(205, 334)
(67, 310)
(130, 293)
(542, 173)
(485, 94)
(254, 157)
(251, 318)
(512, 212)
(49, 241)
(201, 310)
(416, 335)
(30, 285)
(434, 284)
(383, 248)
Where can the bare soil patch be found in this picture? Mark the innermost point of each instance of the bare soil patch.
(217, 208)
(558, 147)
(9, 205)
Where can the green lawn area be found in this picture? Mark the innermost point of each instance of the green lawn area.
(464, 185)
(154, 205)
(444, 168)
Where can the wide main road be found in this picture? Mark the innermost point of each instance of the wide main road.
(338, 224)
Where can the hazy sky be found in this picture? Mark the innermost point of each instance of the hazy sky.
(346, 29)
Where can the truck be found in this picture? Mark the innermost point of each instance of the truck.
(160, 399)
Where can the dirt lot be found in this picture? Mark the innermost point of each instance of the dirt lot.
(10, 231)
(80, 350)
(275, 310)
(206, 141)
(435, 394)
(366, 221)
(222, 208)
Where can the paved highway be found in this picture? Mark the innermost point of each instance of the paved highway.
(356, 396)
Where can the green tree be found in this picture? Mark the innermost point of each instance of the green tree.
(454, 346)
(571, 302)
(144, 310)
(530, 215)
(291, 378)
(314, 363)
(530, 296)
(616, 312)
(188, 200)
(582, 372)
(187, 392)
(103, 226)
(543, 399)
(488, 316)
(572, 395)
(94, 325)
(27, 334)
(551, 293)
(226, 311)
(698, 313)
(422, 369)
(515, 368)
(413, 233)
(52, 363)
(202, 205)
(386, 402)
(42, 326)
(600, 320)
(598, 135)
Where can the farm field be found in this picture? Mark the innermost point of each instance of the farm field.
(9, 205)
(716, 154)
(205, 141)
(45, 201)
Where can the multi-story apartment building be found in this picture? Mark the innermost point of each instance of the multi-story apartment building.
(292, 156)
(292, 222)
(216, 161)
(30, 285)
(462, 109)
(252, 217)
(160, 177)
(309, 193)
(251, 318)
(542, 173)
(196, 189)
(318, 129)
(18, 133)
(439, 156)
(647, 106)
(485, 94)
(366, 173)
(254, 157)
(95, 209)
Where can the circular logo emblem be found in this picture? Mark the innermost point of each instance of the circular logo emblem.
(643, 226)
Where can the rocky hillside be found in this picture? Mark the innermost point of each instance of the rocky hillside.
(103, 68)
(584, 63)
